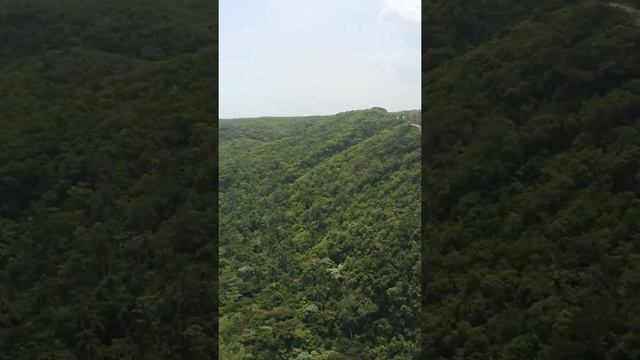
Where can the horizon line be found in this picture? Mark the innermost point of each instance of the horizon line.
(314, 115)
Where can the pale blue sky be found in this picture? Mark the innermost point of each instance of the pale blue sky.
(318, 57)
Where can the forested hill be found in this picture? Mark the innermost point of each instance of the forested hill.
(108, 179)
(532, 181)
(320, 237)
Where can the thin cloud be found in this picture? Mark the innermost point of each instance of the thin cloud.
(403, 10)
(292, 57)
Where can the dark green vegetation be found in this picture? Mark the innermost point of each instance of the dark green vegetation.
(320, 237)
(532, 182)
(107, 179)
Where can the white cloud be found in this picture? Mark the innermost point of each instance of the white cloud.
(404, 10)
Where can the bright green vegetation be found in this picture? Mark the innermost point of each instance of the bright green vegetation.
(320, 237)
(532, 173)
(107, 179)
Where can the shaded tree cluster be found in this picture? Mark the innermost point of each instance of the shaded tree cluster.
(532, 185)
(108, 180)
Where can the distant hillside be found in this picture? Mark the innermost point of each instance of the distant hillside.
(532, 182)
(319, 241)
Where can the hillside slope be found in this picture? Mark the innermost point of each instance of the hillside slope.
(319, 241)
(532, 186)
(107, 244)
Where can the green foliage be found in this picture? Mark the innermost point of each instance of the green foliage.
(107, 180)
(532, 184)
(319, 242)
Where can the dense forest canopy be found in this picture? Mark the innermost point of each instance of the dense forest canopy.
(532, 182)
(108, 179)
(320, 237)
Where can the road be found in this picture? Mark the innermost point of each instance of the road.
(633, 11)
(416, 125)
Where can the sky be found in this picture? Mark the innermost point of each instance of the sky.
(318, 57)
